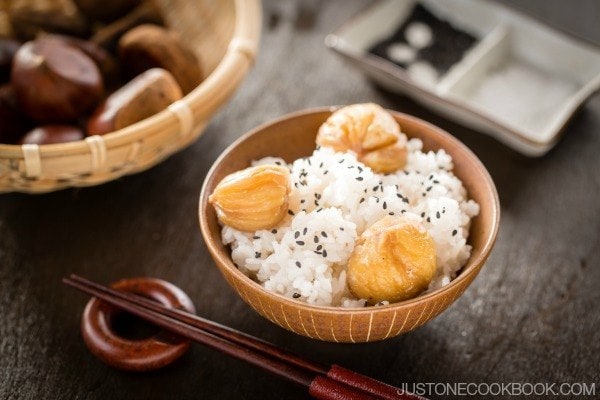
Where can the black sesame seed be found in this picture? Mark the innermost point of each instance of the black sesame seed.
(316, 203)
(438, 215)
(365, 190)
(296, 235)
(428, 219)
(308, 161)
(405, 200)
(436, 181)
(454, 232)
(257, 255)
(359, 178)
(290, 212)
(429, 188)
(323, 234)
(296, 184)
(319, 247)
(423, 194)
(375, 188)
(321, 165)
(302, 201)
(296, 295)
(255, 237)
(361, 200)
(360, 169)
(319, 210)
(304, 231)
(384, 205)
(341, 229)
(423, 215)
(298, 264)
(326, 171)
(398, 195)
(341, 161)
(299, 242)
(391, 213)
(278, 162)
(366, 304)
(274, 231)
(324, 253)
(403, 211)
(318, 252)
(316, 239)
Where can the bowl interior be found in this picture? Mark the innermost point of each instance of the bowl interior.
(293, 136)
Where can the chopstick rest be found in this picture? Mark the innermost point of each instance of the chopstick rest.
(151, 353)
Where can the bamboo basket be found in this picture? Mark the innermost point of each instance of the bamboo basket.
(224, 33)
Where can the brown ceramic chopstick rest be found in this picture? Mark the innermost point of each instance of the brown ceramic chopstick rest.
(147, 354)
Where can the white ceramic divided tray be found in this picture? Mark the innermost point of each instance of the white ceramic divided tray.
(562, 71)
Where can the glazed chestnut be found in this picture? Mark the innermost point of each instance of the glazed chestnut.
(139, 99)
(106, 63)
(105, 10)
(55, 82)
(8, 48)
(13, 124)
(51, 134)
(148, 46)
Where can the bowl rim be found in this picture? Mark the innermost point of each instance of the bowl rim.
(473, 264)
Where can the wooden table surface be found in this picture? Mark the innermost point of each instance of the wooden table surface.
(532, 315)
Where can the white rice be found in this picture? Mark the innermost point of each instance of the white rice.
(334, 199)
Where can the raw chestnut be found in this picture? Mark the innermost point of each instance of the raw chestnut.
(8, 48)
(139, 99)
(105, 10)
(51, 134)
(148, 46)
(106, 63)
(109, 35)
(55, 82)
(13, 124)
(29, 18)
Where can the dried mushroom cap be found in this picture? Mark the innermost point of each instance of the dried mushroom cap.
(393, 260)
(368, 130)
(254, 198)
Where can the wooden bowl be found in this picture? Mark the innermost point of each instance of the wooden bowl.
(225, 36)
(292, 137)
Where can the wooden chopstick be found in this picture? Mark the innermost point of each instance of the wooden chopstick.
(322, 383)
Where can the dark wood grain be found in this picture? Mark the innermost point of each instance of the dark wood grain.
(532, 315)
